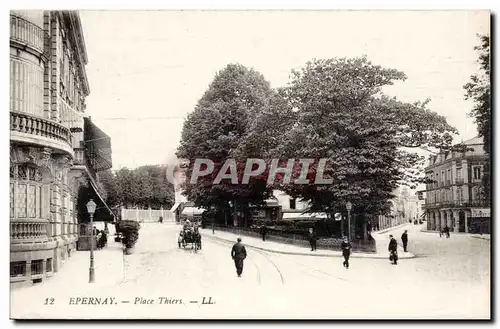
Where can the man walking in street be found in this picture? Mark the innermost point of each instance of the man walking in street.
(393, 250)
(238, 253)
(404, 238)
(312, 239)
(346, 251)
(446, 231)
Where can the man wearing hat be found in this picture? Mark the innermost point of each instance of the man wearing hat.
(238, 253)
(404, 238)
(346, 251)
(393, 250)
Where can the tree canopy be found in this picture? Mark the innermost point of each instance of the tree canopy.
(368, 137)
(332, 109)
(144, 187)
(217, 130)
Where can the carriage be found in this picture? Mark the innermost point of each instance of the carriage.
(190, 236)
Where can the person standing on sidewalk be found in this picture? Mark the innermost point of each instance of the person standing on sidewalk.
(239, 253)
(312, 239)
(393, 250)
(404, 238)
(263, 232)
(346, 251)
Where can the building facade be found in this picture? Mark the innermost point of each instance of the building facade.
(48, 159)
(454, 198)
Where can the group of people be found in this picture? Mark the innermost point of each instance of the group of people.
(101, 238)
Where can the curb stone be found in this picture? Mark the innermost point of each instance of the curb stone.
(353, 255)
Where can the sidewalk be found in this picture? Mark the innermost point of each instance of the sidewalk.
(472, 235)
(108, 264)
(288, 249)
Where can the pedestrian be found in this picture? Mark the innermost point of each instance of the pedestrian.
(404, 238)
(346, 251)
(103, 240)
(263, 232)
(238, 253)
(447, 231)
(393, 250)
(312, 239)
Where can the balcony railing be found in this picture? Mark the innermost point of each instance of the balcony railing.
(25, 123)
(70, 117)
(24, 32)
(28, 230)
(79, 156)
(464, 204)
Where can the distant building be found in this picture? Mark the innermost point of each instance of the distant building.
(54, 149)
(454, 197)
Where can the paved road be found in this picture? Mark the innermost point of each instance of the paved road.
(449, 280)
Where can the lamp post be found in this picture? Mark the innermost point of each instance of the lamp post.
(91, 210)
(348, 206)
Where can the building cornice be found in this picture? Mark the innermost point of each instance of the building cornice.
(467, 157)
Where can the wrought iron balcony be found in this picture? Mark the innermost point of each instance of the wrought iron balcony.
(456, 204)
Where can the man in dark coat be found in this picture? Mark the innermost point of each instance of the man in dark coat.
(393, 250)
(238, 253)
(346, 251)
(404, 238)
(263, 232)
(312, 239)
(446, 231)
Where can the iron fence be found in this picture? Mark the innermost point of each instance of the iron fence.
(302, 239)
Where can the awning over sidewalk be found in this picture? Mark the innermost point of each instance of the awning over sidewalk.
(96, 190)
(304, 216)
(192, 211)
(98, 146)
(175, 206)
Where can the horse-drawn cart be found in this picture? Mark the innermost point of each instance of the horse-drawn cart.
(190, 236)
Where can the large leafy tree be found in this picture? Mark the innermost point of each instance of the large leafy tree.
(217, 130)
(368, 138)
(106, 180)
(478, 90)
(144, 187)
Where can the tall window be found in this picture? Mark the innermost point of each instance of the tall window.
(26, 191)
(459, 174)
(460, 194)
(477, 172)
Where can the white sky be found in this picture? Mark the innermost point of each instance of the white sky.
(159, 63)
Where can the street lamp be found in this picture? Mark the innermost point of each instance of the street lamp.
(91, 210)
(348, 206)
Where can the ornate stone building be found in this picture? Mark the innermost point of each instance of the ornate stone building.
(49, 158)
(454, 197)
